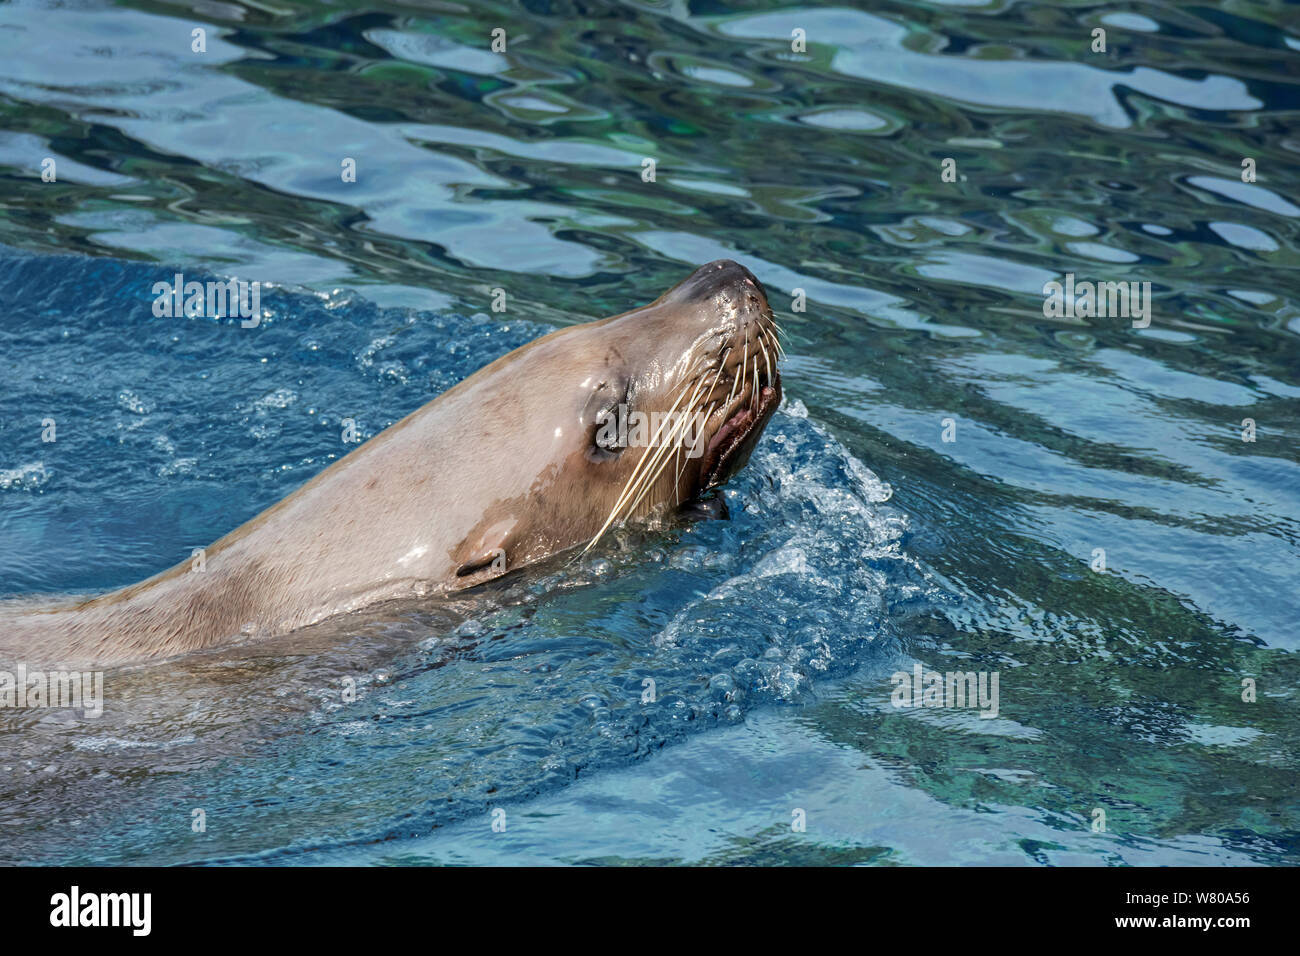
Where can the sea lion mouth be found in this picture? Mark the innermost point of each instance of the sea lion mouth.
(729, 448)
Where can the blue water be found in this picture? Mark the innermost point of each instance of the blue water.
(860, 541)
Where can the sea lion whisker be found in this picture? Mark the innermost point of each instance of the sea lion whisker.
(651, 476)
(776, 343)
(661, 465)
(735, 381)
(716, 375)
(660, 462)
(677, 482)
(698, 435)
(780, 329)
(629, 488)
(744, 365)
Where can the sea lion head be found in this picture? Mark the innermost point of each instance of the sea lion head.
(635, 414)
(699, 376)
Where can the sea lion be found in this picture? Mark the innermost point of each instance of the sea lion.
(512, 465)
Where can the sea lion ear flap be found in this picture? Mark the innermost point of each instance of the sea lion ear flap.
(485, 552)
(494, 559)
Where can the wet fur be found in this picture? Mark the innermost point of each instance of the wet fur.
(422, 508)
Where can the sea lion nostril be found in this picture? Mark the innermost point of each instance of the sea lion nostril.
(726, 276)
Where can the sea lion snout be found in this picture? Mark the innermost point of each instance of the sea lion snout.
(723, 277)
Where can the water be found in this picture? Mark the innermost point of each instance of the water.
(860, 542)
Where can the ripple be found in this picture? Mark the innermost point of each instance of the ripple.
(1245, 237)
(909, 302)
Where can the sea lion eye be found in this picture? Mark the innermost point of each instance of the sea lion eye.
(609, 427)
(605, 435)
(607, 442)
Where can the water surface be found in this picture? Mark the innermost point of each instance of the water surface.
(861, 542)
